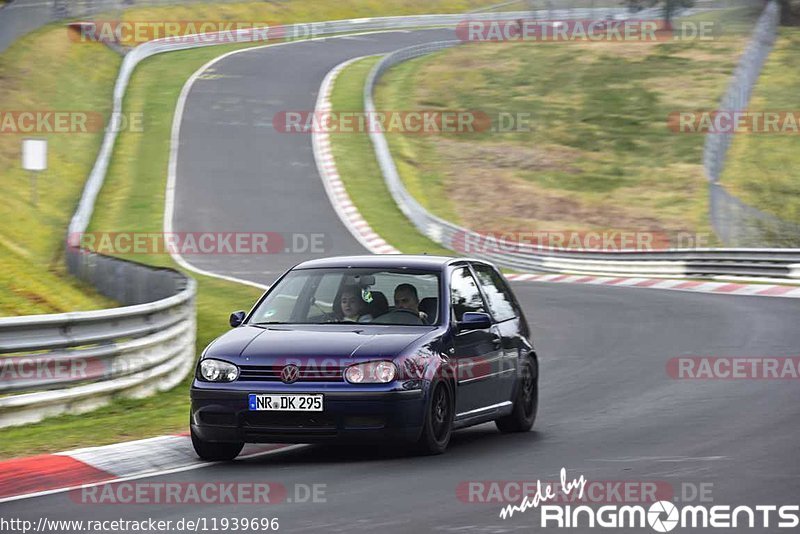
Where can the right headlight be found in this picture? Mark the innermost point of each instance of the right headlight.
(380, 372)
(218, 371)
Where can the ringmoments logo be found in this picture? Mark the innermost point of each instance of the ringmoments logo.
(660, 516)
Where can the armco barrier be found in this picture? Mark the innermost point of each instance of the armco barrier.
(74, 362)
(753, 262)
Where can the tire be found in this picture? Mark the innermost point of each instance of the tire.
(216, 452)
(438, 425)
(525, 405)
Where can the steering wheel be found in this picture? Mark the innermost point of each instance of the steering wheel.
(399, 313)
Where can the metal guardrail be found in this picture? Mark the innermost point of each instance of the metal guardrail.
(75, 362)
(676, 263)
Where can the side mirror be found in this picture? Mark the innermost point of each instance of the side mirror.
(237, 318)
(474, 321)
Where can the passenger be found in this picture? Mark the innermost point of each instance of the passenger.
(406, 298)
(352, 307)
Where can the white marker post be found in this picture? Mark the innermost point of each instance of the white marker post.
(34, 159)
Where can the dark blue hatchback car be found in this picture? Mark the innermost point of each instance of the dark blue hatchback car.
(368, 347)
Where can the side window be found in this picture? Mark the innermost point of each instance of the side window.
(464, 293)
(500, 301)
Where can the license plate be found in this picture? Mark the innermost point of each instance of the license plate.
(285, 403)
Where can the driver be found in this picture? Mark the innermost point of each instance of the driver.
(406, 298)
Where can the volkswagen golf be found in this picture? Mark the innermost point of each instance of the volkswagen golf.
(368, 347)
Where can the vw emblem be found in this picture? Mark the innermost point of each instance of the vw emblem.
(290, 374)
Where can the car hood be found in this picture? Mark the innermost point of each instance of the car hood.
(254, 345)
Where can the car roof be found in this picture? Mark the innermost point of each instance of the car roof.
(410, 261)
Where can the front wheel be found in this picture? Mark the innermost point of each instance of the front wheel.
(525, 405)
(215, 452)
(438, 425)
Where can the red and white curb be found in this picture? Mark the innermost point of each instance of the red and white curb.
(35, 476)
(334, 187)
(726, 288)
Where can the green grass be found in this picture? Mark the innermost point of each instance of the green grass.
(762, 169)
(133, 199)
(34, 73)
(599, 154)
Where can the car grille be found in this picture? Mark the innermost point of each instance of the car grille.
(272, 373)
(288, 420)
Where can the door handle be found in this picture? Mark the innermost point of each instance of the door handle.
(496, 341)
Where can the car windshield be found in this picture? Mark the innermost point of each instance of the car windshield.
(352, 295)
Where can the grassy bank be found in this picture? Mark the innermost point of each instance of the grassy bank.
(42, 73)
(597, 153)
(761, 168)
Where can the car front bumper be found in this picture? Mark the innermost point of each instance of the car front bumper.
(222, 415)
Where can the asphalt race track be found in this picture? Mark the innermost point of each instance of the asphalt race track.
(237, 173)
(608, 409)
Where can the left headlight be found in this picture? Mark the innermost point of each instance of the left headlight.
(371, 373)
(218, 371)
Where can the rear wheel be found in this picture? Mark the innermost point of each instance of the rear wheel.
(438, 426)
(215, 452)
(525, 405)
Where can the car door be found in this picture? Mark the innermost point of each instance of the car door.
(474, 350)
(506, 327)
